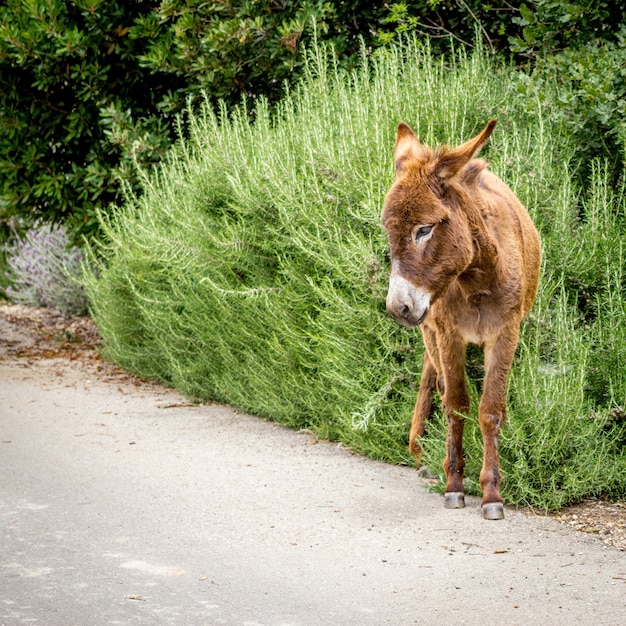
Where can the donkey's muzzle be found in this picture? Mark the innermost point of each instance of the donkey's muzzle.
(406, 303)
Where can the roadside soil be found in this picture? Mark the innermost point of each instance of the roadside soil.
(33, 334)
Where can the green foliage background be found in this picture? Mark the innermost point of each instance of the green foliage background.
(252, 270)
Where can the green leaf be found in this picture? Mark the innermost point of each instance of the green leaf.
(528, 16)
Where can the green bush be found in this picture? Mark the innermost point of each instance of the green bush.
(76, 110)
(252, 270)
(583, 89)
(548, 27)
(247, 48)
(530, 29)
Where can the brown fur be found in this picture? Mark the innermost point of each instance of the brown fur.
(471, 279)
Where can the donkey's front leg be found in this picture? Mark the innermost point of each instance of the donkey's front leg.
(492, 415)
(456, 405)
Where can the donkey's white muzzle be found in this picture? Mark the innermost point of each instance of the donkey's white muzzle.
(406, 303)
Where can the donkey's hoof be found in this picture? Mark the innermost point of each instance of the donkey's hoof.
(424, 472)
(454, 500)
(493, 510)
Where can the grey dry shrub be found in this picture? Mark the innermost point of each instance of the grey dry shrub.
(44, 270)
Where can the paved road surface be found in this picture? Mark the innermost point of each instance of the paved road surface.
(120, 506)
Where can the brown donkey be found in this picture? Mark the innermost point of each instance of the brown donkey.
(465, 261)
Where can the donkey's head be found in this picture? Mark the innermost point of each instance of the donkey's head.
(429, 235)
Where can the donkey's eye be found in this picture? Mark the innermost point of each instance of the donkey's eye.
(422, 232)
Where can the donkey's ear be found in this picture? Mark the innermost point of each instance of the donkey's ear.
(452, 162)
(407, 145)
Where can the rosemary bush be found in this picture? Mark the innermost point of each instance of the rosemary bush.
(45, 270)
(253, 268)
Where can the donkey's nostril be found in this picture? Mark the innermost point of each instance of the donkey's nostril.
(405, 310)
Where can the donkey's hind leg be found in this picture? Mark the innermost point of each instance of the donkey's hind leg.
(423, 407)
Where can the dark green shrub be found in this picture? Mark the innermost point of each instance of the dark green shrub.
(548, 27)
(447, 23)
(248, 48)
(583, 89)
(528, 29)
(76, 110)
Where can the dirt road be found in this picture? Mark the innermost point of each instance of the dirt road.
(122, 504)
